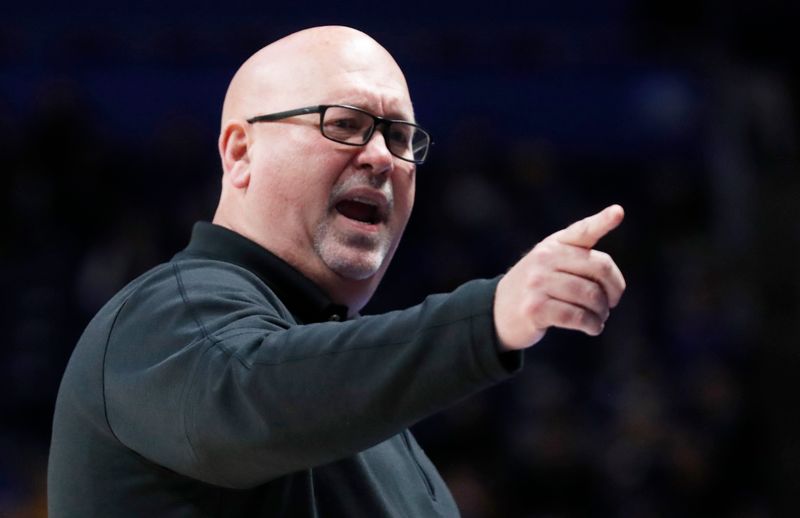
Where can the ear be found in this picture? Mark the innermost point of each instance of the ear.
(234, 152)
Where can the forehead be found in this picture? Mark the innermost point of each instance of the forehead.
(354, 71)
(381, 98)
(323, 67)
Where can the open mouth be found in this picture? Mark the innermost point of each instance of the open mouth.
(361, 210)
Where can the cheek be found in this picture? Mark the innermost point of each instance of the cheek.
(296, 182)
(405, 191)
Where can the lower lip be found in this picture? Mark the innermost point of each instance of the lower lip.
(360, 225)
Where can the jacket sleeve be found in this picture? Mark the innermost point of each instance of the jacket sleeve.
(206, 374)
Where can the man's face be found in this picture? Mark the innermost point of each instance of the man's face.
(324, 205)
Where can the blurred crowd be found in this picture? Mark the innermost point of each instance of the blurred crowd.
(683, 113)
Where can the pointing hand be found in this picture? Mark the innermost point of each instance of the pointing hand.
(562, 282)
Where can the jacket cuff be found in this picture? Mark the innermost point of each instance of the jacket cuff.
(497, 365)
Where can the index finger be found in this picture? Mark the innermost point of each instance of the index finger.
(588, 231)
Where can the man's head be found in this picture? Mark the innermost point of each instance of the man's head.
(334, 211)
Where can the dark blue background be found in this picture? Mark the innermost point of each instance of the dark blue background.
(684, 112)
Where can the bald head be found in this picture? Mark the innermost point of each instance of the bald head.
(333, 211)
(301, 65)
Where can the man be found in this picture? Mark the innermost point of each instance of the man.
(235, 381)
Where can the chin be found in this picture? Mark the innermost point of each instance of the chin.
(357, 273)
(354, 256)
(360, 268)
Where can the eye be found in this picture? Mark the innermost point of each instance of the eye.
(344, 123)
(400, 135)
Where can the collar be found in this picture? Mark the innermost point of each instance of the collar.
(302, 297)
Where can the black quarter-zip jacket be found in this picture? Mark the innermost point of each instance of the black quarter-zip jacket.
(224, 383)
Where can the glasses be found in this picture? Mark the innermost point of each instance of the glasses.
(355, 127)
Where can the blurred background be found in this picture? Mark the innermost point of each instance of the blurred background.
(685, 112)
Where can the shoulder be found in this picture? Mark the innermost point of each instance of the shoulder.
(197, 276)
(211, 295)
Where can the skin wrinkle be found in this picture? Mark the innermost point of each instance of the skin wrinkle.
(286, 171)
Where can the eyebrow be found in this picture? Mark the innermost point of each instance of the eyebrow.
(365, 104)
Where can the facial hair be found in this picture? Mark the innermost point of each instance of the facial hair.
(352, 254)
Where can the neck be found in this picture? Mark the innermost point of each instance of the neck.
(348, 292)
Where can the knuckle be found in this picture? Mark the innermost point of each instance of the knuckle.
(536, 279)
(606, 266)
(535, 306)
(603, 256)
(592, 324)
(583, 228)
(571, 316)
(595, 296)
(544, 251)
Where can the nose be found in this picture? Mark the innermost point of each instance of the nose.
(375, 155)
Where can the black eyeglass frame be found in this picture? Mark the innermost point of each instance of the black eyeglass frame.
(376, 121)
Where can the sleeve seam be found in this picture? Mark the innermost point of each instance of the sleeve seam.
(185, 298)
(103, 372)
(188, 409)
(188, 416)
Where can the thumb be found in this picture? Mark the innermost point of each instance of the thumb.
(588, 231)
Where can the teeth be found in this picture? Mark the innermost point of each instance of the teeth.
(365, 201)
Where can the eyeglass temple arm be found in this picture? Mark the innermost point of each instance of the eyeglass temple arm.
(285, 114)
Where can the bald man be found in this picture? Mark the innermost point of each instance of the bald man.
(238, 380)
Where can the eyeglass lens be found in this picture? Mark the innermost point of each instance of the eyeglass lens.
(355, 127)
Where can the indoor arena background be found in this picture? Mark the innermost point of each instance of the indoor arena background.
(684, 112)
